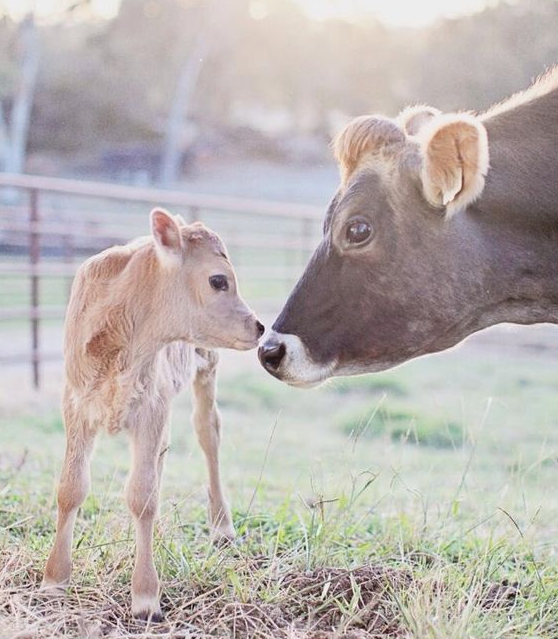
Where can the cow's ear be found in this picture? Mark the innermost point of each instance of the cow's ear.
(413, 118)
(168, 240)
(454, 151)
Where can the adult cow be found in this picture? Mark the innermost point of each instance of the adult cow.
(444, 224)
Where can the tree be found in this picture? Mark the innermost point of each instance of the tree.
(185, 86)
(13, 134)
(216, 20)
(15, 121)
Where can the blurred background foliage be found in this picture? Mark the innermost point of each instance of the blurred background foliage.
(249, 78)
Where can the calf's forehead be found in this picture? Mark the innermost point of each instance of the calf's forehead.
(203, 241)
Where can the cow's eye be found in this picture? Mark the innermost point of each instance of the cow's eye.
(219, 282)
(358, 231)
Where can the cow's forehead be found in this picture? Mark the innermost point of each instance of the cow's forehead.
(363, 192)
(331, 211)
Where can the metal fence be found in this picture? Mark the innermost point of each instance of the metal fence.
(49, 225)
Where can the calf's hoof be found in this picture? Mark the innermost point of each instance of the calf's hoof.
(146, 608)
(51, 587)
(223, 535)
(154, 617)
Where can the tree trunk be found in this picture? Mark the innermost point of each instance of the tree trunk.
(214, 17)
(187, 80)
(16, 146)
(4, 139)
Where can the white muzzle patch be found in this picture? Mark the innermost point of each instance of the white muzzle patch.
(296, 367)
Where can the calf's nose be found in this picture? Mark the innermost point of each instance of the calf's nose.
(260, 327)
(271, 355)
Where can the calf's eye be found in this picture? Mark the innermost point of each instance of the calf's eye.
(219, 282)
(358, 231)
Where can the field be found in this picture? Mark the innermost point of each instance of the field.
(415, 503)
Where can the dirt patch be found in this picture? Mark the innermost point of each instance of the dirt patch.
(261, 603)
(500, 595)
(347, 603)
(319, 604)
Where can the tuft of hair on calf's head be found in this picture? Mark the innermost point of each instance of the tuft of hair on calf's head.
(198, 235)
(197, 232)
(367, 134)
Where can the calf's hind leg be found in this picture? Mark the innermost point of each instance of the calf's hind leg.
(207, 422)
(73, 488)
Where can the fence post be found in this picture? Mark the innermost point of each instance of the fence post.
(34, 257)
(306, 235)
(68, 252)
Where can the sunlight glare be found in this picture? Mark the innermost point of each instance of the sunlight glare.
(47, 9)
(395, 13)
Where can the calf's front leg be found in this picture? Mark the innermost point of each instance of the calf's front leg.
(142, 495)
(207, 422)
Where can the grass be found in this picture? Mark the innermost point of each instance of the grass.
(311, 571)
(403, 425)
(397, 505)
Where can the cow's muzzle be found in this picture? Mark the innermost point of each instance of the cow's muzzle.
(271, 354)
(285, 357)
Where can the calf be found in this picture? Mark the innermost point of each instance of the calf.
(142, 319)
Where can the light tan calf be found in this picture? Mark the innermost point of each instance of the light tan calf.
(141, 321)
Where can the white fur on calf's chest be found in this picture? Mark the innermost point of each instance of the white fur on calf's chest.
(117, 401)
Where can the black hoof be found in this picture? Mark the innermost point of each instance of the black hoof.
(221, 541)
(153, 617)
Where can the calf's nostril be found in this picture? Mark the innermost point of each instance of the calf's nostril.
(260, 327)
(271, 355)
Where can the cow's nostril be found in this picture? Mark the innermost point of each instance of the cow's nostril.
(260, 327)
(271, 355)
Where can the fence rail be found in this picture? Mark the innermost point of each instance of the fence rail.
(109, 191)
(49, 225)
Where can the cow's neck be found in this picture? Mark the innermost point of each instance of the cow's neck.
(523, 145)
(518, 213)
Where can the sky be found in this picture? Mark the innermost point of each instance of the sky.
(398, 13)
(47, 8)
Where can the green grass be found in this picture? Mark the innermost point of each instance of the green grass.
(403, 425)
(16, 291)
(370, 385)
(416, 503)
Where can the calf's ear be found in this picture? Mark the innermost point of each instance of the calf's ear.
(454, 150)
(168, 241)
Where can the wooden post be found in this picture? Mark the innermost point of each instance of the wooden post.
(68, 252)
(306, 235)
(34, 257)
(307, 228)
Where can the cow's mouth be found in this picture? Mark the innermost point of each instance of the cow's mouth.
(285, 357)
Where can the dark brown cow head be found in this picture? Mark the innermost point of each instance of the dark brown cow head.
(396, 273)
